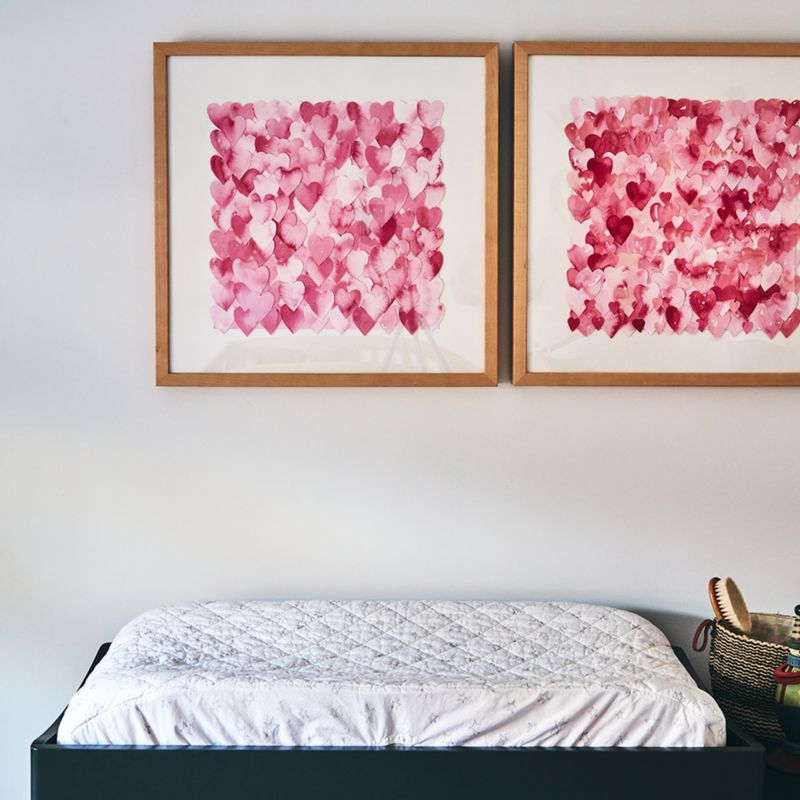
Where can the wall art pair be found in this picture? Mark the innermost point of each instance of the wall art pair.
(326, 213)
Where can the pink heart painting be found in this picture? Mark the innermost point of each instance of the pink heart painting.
(327, 216)
(684, 216)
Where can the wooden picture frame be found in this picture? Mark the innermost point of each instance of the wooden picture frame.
(484, 342)
(746, 371)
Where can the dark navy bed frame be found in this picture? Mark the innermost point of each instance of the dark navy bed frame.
(121, 772)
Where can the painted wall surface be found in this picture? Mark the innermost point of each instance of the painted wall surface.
(116, 496)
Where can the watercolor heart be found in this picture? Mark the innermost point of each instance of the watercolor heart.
(430, 113)
(292, 231)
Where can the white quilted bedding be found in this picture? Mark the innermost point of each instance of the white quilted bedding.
(485, 674)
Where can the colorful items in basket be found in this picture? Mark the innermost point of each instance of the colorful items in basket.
(787, 693)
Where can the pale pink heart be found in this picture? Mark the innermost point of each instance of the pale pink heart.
(257, 304)
(221, 319)
(321, 302)
(266, 109)
(430, 112)
(337, 152)
(376, 302)
(771, 275)
(578, 207)
(410, 135)
(222, 294)
(762, 154)
(394, 279)
(320, 247)
(356, 261)
(390, 318)
(297, 130)
(430, 167)
(592, 283)
(434, 194)
(238, 160)
(266, 184)
(415, 181)
(398, 193)
(407, 298)
(678, 298)
(429, 239)
(290, 271)
(368, 129)
(321, 322)
(345, 190)
(290, 179)
(324, 127)
(292, 293)
(264, 235)
(292, 231)
(275, 163)
(223, 192)
(337, 320)
(384, 258)
(217, 112)
(251, 275)
(281, 206)
(378, 157)
(319, 272)
(220, 143)
(343, 246)
(223, 242)
(232, 129)
(345, 299)
(247, 321)
(222, 216)
(732, 179)
(415, 267)
(405, 113)
(262, 210)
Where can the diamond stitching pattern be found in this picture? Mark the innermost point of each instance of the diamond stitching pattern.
(407, 646)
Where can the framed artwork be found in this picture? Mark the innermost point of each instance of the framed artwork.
(656, 213)
(326, 213)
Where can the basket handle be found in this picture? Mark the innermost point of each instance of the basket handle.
(702, 630)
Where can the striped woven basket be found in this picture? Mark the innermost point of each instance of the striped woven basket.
(742, 668)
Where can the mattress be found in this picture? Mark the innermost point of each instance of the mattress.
(319, 673)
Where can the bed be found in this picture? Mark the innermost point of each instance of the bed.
(392, 700)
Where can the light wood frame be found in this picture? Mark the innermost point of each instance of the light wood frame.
(162, 51)
(521, 376)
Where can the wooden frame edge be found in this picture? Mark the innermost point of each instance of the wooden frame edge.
(689, 379)
(519, 345)
(491, 225)
(551, 47)
(161, 188)
(520, 374)
(325, 48)
(489, 51)
(331, 379)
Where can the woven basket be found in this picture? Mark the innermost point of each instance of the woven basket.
(742, 668)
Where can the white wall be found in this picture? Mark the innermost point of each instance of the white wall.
(116, 496)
